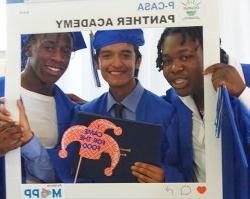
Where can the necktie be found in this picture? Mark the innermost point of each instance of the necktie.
(118, 108)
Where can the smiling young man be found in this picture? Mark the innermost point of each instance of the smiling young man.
(182, 61)
(45, 57)
(118, 56)
(180, 56)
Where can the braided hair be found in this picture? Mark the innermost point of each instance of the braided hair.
(193, 32)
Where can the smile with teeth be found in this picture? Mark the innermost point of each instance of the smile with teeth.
(180, 83)
(116, 72)
(54, 69)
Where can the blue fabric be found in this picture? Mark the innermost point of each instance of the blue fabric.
(37, 161)
(246, 71)
(65, 118)
(235, 152)
(2, 166)
(104, 38)
(1, 86)
(235, 143)
(180, 152)
(150, 109)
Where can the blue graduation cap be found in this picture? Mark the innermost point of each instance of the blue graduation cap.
(104, 38)
(78, 43)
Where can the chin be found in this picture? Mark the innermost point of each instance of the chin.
(51, 80)
(182, 93)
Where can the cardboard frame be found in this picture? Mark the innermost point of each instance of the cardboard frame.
(24, 16)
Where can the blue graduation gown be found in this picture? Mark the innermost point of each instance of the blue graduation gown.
(66, 117)
(235, 145)
(235, 133)
(180, 154)
(152, 109)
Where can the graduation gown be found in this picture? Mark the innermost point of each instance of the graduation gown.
(151, 109)
(235, 135)
(180, 152)
(235, 151)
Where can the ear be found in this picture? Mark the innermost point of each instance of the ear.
(96, 61)
(138, 63)
(28, 50)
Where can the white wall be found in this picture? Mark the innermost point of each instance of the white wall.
(2, 36)
(78, 78)
(2, 62)
(235, 28)
(2, 25)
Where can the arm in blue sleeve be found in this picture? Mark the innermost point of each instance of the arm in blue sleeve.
(37, 161)
(170, 159)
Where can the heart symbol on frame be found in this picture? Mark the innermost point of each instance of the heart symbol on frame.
(201, 189)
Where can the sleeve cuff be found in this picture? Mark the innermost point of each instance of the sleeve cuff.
(32, 149)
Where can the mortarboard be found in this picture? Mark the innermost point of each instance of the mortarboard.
(104, 38)
(78, 43)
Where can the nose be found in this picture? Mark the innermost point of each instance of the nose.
(177, 66)
(58, 56)
(116, 62)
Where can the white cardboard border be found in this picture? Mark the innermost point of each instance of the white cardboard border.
(35, 16)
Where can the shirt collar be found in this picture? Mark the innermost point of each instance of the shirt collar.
(131, 101)
(189, 102)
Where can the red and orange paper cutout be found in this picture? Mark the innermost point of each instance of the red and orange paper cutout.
(94, 142)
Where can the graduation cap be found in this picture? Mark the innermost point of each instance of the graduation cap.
(104, 38)
(78, 43)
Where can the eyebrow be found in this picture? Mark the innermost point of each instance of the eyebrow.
(122, 51)
(185, 49)
(54, 43)
(48, 41)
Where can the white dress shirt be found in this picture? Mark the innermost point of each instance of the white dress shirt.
(198, 140)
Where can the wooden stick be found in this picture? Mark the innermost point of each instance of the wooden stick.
(77, 170)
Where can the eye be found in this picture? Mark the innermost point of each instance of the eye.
(66, 51)
(126, 55)
(105, 55)
(185, 57)
(49, 48)
(167, 62)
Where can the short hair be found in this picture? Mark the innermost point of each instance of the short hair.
(193, 32)
(77, 41)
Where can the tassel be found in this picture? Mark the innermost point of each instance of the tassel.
(219, 113)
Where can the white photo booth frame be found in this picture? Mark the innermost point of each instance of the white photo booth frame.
(24, 16)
